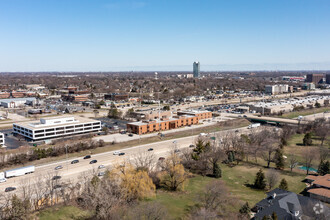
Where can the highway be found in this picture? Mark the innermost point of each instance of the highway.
(73, 172)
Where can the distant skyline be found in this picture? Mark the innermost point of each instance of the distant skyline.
(164, 35)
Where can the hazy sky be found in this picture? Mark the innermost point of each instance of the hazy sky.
(109, 35)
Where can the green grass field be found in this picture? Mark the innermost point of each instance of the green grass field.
(305, 112)
(64, 213)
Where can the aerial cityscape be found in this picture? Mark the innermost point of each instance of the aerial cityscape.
(157, 110)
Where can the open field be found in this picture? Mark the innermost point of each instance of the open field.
(305, 112)
(63, 213)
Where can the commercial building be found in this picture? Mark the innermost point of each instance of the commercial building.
(75, 98)
(327, 78)
(309, 86)
(276, 89)
(150, 115)
(199, 114)
(116, 97)
(293, 78)
(48, 128)
(183, 118)
(4, 95)
(2, 139)
(196, 69)
(314, 78)
(18, 102)
(144, 127)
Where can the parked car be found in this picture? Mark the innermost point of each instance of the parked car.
(123, 132)
(150, 149)
(121, 154)
(56, 177)
(87, 157)
(101, 166)
(130, 135)
(236, 131)
(74, 161)
(191, 145)
(93, 161)
(59, 167)
(8, 189)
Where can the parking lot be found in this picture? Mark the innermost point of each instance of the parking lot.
(12, 142)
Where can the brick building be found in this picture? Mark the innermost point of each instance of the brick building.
(184, 118)
(327, 78)
(116, 96)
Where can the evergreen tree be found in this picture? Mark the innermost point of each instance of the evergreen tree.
(324, 168)
(283, 184)
(217, 171)
(279, 160)
(245, 209)
(231, 157)
(260, 182)
(307, 141)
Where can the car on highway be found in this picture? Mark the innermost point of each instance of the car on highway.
(74, 161)
(176, 151)
(87, 157)
(101, 174)
(131, 135)
(150, 149)
(161, 158)
(9, 189)
(191, 145)
(236, 131)
(116, 153)
(121, 154)
(123, 132)
(101, 166)
(59, 167)
(56, 177)
(93, 161)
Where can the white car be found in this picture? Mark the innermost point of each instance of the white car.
(101, 166)
(3, 180)
(116, 153)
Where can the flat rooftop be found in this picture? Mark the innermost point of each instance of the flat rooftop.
(50, 122)
(193, 111)
(155, 121)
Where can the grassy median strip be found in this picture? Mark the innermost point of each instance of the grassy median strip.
(305, 112)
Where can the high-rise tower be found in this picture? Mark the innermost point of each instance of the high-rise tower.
(196, 69)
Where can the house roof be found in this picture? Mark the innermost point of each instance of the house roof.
(287, 205)
(323, 181)
(320, 191)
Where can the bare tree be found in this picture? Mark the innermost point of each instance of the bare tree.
(144, 161)
(148, 211)
(272, 177)
(309, 156)
(292, 159)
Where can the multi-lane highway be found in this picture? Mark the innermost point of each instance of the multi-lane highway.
(72, 172)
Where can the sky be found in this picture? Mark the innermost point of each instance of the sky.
(156, 35)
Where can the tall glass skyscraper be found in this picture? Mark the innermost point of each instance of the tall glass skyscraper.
(196, 67)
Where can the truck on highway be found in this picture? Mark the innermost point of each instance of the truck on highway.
(255, 125)
(19, 171)
(2, 177)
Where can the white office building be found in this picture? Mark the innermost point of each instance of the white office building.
(48, 128)
(276, 89)
(17, 102)
(196, 69)
(2, 139)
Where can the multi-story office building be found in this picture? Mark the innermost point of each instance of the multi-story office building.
(184, 118)
(2, 139)
(276, 89)
(327, 78)
(314, 78)
(48, 128)
(196, 69)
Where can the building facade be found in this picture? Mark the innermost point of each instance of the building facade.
(276, 89)
(314, 78)
(327, 78)
(17, 102)
(116, 96)
(183, 118)
(48, 128)
(2, 139)
(196, 69)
